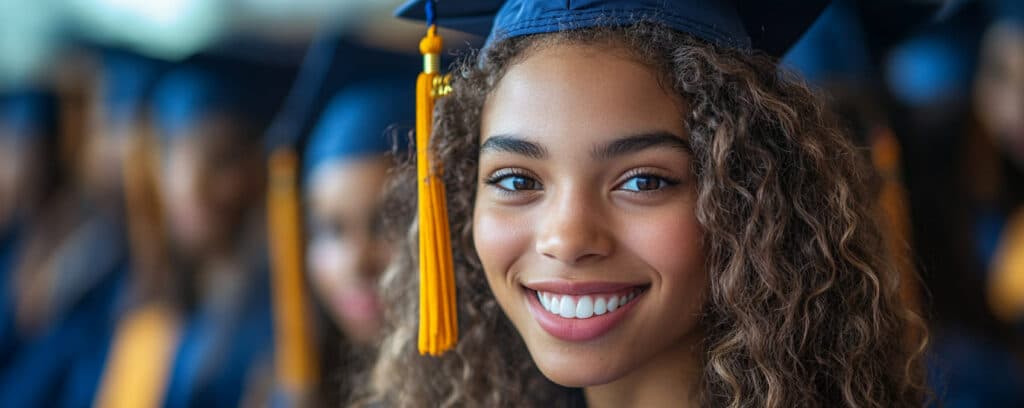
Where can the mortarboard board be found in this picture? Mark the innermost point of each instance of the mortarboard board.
(834, 48)
(768, 26)
(356, 122)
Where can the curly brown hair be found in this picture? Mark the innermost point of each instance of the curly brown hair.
(803, 306)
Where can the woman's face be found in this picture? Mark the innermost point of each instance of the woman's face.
(346, 250)
(210, 180)
(584, 217)
(999, 95)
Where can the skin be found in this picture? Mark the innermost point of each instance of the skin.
(15, 173)
(347, 253)
(571, 213)
(999, 95)
(208, 186)
(104, 149)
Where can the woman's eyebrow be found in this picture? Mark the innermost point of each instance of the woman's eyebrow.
(642, 141)
(514, 144)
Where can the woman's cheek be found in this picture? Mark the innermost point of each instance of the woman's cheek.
(325, 263)
(667, 241)
(501, 236)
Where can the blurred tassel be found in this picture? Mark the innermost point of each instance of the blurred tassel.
(145, 213)
(296, 360)
(885, 153)
(438, 330)
(139, 367)
(1006, 278)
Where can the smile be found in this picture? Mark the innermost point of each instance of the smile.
(580, 311)
(586, 306)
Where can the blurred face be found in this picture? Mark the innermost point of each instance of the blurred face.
(584, 217)
(16, 168)
(346, 251)
(105, 148)
(210, 180)
(1000, 88)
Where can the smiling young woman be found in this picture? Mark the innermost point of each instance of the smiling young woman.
(584, 205)
(641, 218)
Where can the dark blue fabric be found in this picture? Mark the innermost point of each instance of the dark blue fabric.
(988, 231)
(188, 95)
(968, 372)
(362, 120)
(9, 249)
(834, 48)
(59, 368)
(218, 351)
(127, 82)
(28, 113)
(725, 23)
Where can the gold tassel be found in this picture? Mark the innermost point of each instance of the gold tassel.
(296, 360)
(438, 330)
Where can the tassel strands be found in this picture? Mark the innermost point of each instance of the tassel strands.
(438, 329)
(296, 362)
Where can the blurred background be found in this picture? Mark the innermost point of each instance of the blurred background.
(189, 189)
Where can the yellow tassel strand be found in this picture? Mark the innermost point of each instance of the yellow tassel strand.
(296, 359)
(438, 320)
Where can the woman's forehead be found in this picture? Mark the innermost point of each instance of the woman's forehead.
(580, 94)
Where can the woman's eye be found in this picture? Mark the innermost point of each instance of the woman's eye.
(645, 183)
(517, 183)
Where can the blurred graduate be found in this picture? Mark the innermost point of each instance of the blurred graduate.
(208, 335)
(71, 280)
(347, 163)
(28, 139)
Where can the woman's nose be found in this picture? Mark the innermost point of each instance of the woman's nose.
(573, 231)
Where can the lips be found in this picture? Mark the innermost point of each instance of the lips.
(581, 311)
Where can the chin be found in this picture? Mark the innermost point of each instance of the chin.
(578, 366)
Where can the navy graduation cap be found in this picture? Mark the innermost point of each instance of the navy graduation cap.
(770, 26)
(187, 95)
(357, 123)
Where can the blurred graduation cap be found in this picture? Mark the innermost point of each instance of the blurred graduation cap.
(768, 26)
(28, 113)
(198, 90)
(362, 120)
(126, 81)
(834, 48)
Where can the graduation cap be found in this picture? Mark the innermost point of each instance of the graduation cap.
(127, 80)
(200, 89)
(771, 27)
(356, 123)
(188, 95)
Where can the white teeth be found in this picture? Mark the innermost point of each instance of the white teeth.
(600, 306)
(567, 308)
(613, 303)
(585, 308)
